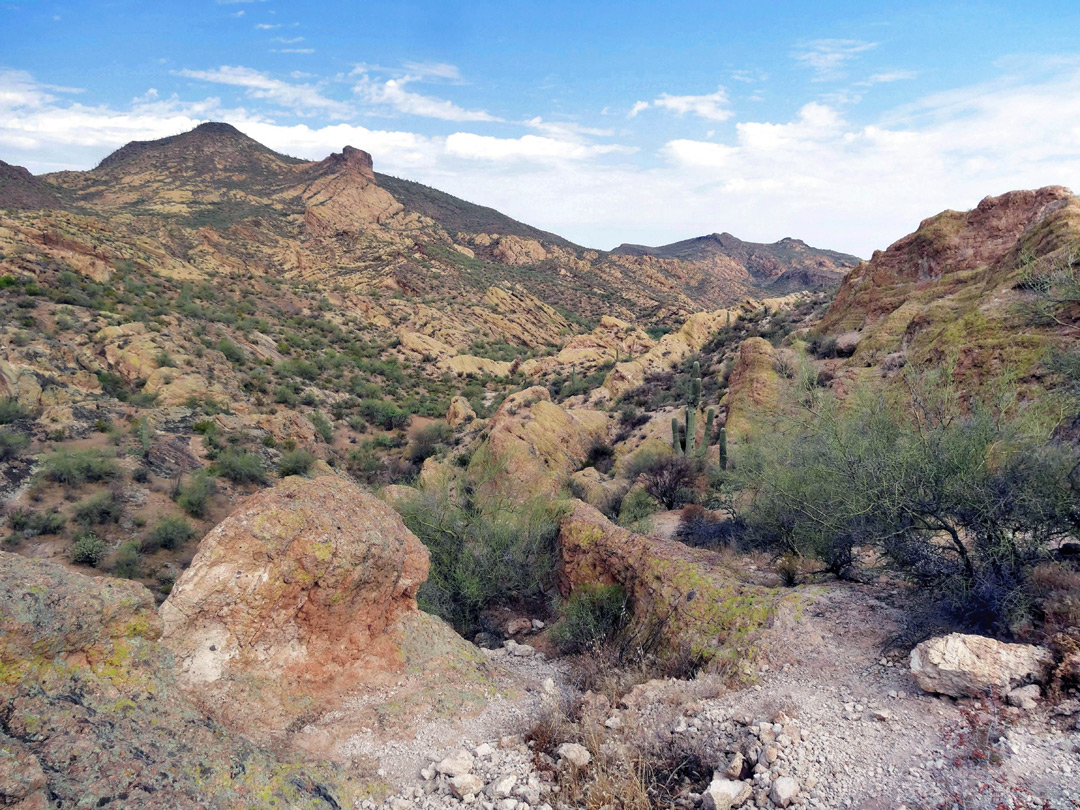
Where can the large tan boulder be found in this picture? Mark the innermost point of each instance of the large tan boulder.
(970, 666)
(460, 412)
(93, 716)
(753, 387)
(538, 444)
(687, 597)
(291, 601)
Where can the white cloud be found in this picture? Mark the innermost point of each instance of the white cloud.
(267, 26)
(300, 98)
(828, 57)
(287, 40)
(525, 148)
(292, 50)
(712, 107)
(433, 70)
(392, 93)
(820, 176)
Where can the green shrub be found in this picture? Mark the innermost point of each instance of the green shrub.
(241, 467)
(127, 563)
(74, 467)
(296, 462)
(963, 497)
(482, 553)
(322, 426)
(593, 614)
(12, 445)
(169, 532)
(31, 524)
(194, 496)
(11, 410)
(386, 415)
(101, 508)
(164, 360)
(233, 353)
(428, 441)
(636, 506)
(88, 549)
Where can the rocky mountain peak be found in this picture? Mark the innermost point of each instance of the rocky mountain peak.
(349, 159)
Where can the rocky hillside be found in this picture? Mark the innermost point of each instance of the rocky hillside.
(783, 266)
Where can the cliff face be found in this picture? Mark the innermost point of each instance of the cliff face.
(951, 290)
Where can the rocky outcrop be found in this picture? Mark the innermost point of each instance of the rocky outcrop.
(753, 387)
(538, 444)
(460, 412)
(92, 715)
(971, 666)
(950, 288)
(673, 348)
(292, 601)
(684, 595)
(613, 340)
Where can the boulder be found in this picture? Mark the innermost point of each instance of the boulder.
(724, 794)
(969, 666)
(577, 756)
(783, 791)
(539, 444)
(457, 764)
(93, 716)
(466, 785)
(292, 600)
(1025, 697)
(460, 412)
(698, 603)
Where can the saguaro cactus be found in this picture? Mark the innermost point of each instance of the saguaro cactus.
(687, 445)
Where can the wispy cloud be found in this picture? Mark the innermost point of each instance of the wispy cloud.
(268, 26)
(526, 148)
(393, 94)
(287, 40)
(292, 50)
(828, 58)
(300, 98)
(712, 107)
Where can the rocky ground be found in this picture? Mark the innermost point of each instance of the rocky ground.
(834, 719)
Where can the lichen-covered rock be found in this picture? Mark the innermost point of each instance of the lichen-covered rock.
(538, 443)
(88, 701)
(291, 601)
(753, 387)
(695, 603)
(460, 412)
(970, 666)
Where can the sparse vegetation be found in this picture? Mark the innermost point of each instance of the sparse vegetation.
(88, 549)
(194, 496)
(74, 467)
(296, 462)
(169, 533)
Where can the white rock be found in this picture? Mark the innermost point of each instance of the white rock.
(507, 804)
(483, 750)
(537, 624)
(549, 686)
(883, 715)
(614, 722)
(576, 755)
(501, 787)
(783, 791)
(968, 666)
(724, 794)
(466, 784)
(458, 763)
(1026, 697)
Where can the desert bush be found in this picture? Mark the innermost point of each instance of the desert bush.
(636, 506)
(591, 615)
(12, 445)
(241, 467)
(74, 467)
(88, 549)
(428, 441)
(322, 426)
(11, 410)
(169, 533)
(31, 524)
(127, 562)
(296, 462)
(482, 551)
(105, 507)
(963, 497)
(670, 479)
(194, 496)
(700, 529)
(386, 415)
(233, 353)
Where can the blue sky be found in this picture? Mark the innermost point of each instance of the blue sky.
(842, 123)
